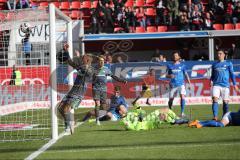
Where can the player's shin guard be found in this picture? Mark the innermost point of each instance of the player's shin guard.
(170, 102)
(211, 124)
(183, 102)
(215, 109)
(225, 107)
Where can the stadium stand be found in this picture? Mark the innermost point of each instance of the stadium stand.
(151, 29)
(75, 5)
(153, 15)
(64, 6)
(162, 28)
(237, 26)
(228, 26)
(218, 26)
(140, 29)
(139, 3)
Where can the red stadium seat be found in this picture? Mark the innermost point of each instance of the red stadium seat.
(94, 4)
(139, 3)
(86, 4)
(150, 12)
(237, 26)
(218, 26)
(43, 4)
(228, 26)
(162, 28)
(75, 14)
(56, 4)
(129, 3)
(150, 3)
(151, 29)
(140, 29)
(64, 6)
(75, 5)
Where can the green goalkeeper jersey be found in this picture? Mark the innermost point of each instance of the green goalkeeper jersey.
(138, 120)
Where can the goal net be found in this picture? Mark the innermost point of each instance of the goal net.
(29, 41)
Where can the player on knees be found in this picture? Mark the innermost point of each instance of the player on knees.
(229, 118)
(100, 85)
(146, 92)
(222, 71)
(177, 74)
(74, 97)
(118, 106)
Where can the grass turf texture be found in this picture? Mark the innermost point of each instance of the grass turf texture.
(111, 141)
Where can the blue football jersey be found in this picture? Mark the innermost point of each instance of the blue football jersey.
(117, 101)
(179, 71)
(222, 71)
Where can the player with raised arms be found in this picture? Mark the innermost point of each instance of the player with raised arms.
(74, 97)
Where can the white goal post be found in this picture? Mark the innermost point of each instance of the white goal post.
(52, 19)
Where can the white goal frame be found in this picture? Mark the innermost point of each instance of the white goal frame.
(53, 49)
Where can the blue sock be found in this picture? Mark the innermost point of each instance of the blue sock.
(225, 107)
(215, 109)
(211, 123)
(182, 105)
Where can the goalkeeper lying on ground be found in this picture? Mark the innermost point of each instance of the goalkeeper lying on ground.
(139, 120)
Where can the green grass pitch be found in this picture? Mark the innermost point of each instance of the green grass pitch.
(112, 141)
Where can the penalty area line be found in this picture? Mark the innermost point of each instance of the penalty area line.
(47, 145)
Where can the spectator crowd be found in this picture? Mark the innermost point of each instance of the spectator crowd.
(123, 16)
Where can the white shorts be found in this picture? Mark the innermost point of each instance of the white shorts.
(226, 117)
(115, 117)
(174, 91)
(218, 91)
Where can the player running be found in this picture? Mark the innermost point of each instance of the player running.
(177, 73)
(229, 118)
(100, 86)
(222, 71)
(74, 97)
(146, 92)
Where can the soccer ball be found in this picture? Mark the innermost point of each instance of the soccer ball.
(25, 28)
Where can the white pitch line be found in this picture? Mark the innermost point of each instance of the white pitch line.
(143, 147)
(47, 145)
